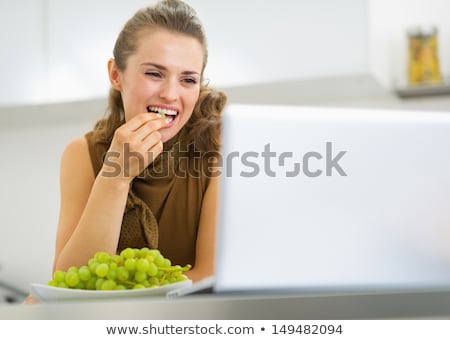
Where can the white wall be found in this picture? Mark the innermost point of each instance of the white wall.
(56, 50)
(32, 139)
(29, 201)
(60, 52)
(22, 57)
(255, 41)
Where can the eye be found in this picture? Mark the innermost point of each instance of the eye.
(153, 74)
(189, 80)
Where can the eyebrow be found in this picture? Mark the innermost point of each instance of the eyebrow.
(163, 68)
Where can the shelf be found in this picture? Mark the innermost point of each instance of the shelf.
(424, 90)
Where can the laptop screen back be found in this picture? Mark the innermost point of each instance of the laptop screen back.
(333, 200)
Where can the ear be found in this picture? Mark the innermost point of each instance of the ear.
(114, 75)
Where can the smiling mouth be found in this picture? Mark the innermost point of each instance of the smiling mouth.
(168, 115)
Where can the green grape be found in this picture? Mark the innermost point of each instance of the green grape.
(133, 268)
(117, 259)
(130, 264)
(122, 274)
(72, 279)
(108, 285)
(143, 252)
(92, 265)
(127, 253)
(62, 285)
(162, 262)
(165, 263)
(138, 286)
(152, 269)
(176, 276)
(102, 257)
(72, 269)
(153, 281)
(84, 273)
(102, 269)
(80, 285)
(142, 265)
(112, 275)
(99, 283)
(163, 282)
(59, 276)
(91, 283)
(140, 277)
(154, 253)
(53, 283)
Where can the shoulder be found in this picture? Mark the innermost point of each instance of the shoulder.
(77, 147)
(76, 157)
(89, 149)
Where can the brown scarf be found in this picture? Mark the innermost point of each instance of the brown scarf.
(139, 225)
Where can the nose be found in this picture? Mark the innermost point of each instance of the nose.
(169, 90)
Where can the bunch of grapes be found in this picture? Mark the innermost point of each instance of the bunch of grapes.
(131, 269)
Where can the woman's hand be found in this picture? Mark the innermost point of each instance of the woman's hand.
(135, 145)
(29, 300)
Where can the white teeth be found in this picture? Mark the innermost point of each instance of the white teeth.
(163, 111)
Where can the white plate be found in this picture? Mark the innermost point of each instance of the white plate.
(48, 293)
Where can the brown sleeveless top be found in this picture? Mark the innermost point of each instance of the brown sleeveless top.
(164, 203)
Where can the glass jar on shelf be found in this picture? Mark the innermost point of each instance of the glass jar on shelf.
(423, 59)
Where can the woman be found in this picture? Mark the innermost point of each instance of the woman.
(143, 176)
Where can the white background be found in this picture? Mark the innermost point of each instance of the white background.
(56, 50)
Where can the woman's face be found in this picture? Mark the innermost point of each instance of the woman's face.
(163, 76)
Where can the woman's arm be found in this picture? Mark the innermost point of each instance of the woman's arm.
(206, 237)
(91, 209)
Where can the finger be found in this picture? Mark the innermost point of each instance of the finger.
(150, 141)
(126, 133)
(154, 147)
(141, 119)
(148, 128)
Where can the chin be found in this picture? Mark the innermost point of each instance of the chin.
(171, 130)
(167, 135)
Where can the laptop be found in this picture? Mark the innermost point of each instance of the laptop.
(332, 200)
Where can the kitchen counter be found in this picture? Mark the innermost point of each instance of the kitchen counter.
(407, 305)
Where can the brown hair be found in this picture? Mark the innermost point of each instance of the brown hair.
(203, 128)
